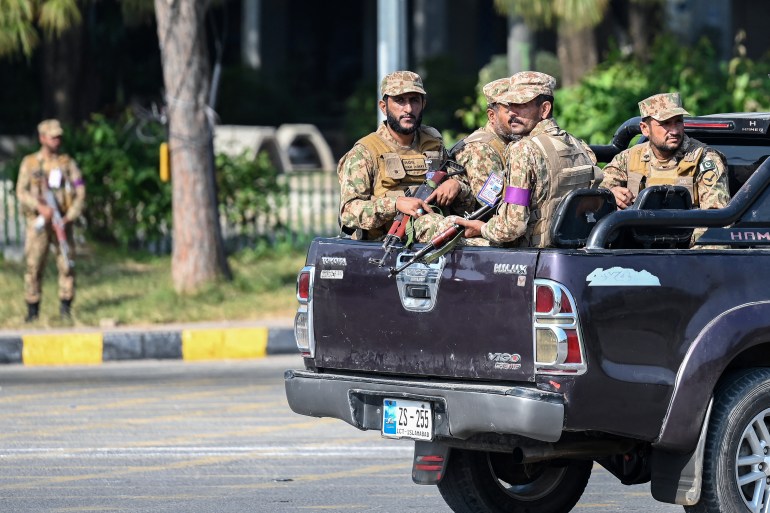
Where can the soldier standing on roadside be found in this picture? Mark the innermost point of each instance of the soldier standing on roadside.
(376, 173)
(47, 169)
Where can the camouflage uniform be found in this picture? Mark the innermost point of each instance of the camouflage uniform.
(362, 208)
(694, 165)
(527, 170)
(35, 176)
(483, 151)
(529, 184)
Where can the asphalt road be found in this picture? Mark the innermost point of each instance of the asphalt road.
(174, 436)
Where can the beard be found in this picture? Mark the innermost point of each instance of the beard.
(395, 125)
(667, 146)
(505, 132)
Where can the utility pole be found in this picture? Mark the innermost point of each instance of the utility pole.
(391, 40)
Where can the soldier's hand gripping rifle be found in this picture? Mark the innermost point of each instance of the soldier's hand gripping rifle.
(438, 241)
(58, 226)
(397, 233)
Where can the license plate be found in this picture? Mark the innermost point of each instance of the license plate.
(407, 419)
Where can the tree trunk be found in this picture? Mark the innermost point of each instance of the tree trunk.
(577, 54)
(641, 16)
(62, 71)
(198, 251)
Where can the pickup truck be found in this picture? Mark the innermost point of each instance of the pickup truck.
(514, 370)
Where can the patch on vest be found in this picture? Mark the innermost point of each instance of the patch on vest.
(418, 164)
(709, 178)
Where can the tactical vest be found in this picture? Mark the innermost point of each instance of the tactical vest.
(399, 169)
(569, 167)
(64, 195)
(643, 173)
(488, 138)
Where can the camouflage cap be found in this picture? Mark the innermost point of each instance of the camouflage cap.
(661, 107)
(401, 82)
(50, 127)
(495, 91)
(528, 85)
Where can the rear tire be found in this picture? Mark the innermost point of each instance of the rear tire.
(736, 463)
(487, 482)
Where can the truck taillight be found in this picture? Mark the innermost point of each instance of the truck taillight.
(558, 343)
(303, 321)
(544, 300)
(303, 286)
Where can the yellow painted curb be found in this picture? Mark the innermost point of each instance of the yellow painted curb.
(217, 344)
(62, 349)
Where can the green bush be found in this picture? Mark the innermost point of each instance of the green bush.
(126, 201)
(609, 95)
(248, 187)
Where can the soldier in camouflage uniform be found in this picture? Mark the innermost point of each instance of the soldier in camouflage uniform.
(40, 171)
(669, 157)
(541, 169)
(482, 152)
(375, 174)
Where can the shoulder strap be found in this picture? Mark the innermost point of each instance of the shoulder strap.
(375, 145)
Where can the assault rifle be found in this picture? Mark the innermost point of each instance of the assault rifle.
(438, 241)
(397, 232)
(58, 227)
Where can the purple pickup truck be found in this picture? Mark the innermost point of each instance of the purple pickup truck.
(514, 370)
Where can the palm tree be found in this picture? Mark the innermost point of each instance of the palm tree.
(575, 20)
(198, 255)
(59, 21)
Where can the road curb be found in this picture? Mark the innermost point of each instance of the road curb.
(188, 343)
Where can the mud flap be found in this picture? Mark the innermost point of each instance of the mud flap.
(430, 460)
(677, 478)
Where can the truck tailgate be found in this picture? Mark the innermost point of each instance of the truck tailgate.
(470, 318)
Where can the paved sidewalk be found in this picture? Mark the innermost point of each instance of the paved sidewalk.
(193, 341)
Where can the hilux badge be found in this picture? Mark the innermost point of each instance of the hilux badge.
(520, 269)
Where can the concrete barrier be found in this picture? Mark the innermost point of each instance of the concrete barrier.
(291, 147)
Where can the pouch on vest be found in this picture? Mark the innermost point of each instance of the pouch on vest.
(672, 178)
(635, 182)
(393, 167)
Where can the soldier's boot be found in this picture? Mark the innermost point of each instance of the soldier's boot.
(33, 312)
(65, 309)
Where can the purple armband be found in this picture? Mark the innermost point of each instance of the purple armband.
(516, 196)
(78, 182)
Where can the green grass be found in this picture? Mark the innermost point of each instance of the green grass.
(132, 288)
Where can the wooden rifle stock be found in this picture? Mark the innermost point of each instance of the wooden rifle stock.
(397, 231)
(58, 227)
(439, 240)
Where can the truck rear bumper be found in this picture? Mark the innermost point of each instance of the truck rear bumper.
(460, 409)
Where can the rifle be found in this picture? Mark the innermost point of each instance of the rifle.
(58, 227)
(397, 230)
(442, 238)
